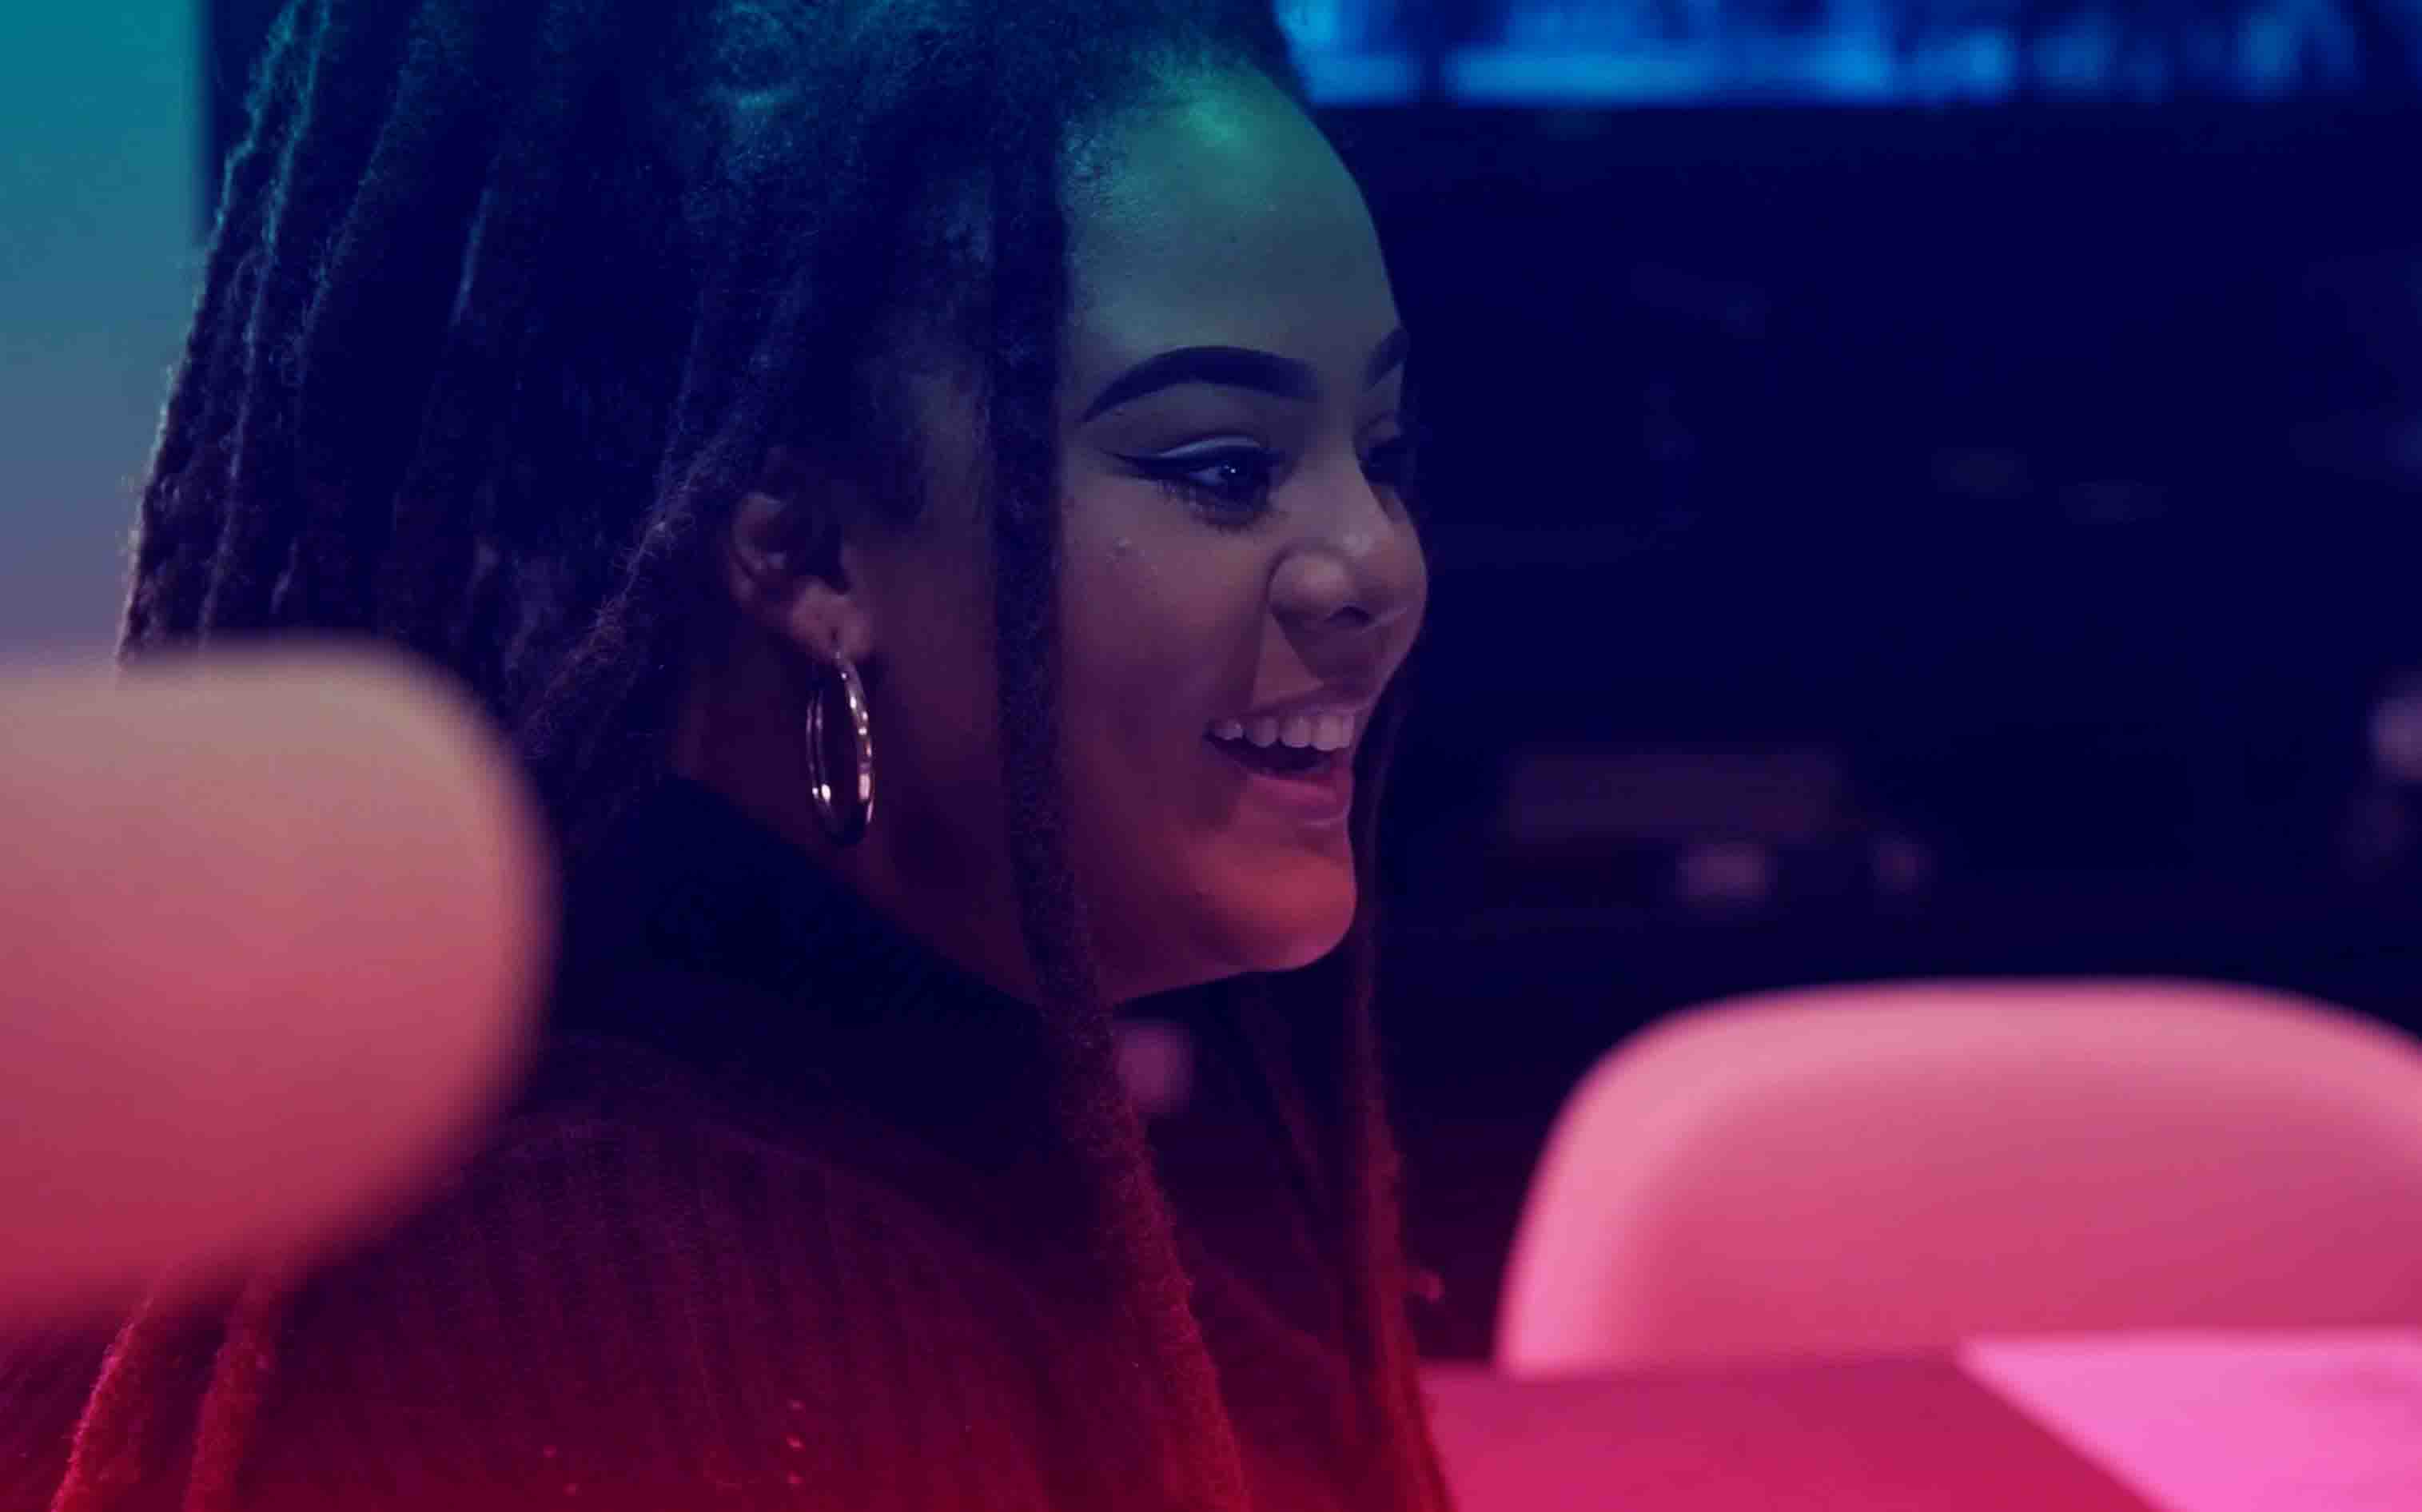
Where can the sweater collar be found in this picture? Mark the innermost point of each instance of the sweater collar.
(832, 993)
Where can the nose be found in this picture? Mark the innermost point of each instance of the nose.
(1356, 577)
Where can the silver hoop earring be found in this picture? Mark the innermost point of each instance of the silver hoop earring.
(846, 806)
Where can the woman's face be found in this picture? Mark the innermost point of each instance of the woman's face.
(1239, 579)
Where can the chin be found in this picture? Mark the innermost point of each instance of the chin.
(1289, 938)
(1236, 916)
(1297, 958)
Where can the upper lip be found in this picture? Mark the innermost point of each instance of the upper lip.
(1310, 705)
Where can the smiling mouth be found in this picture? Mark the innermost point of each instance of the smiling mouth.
(1300, 765)
(1276, 760)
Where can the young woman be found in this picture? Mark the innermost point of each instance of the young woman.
(921, 484)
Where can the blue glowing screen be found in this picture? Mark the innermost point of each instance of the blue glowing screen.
(1849, 52)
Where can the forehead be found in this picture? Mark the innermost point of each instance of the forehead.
(1224, 219)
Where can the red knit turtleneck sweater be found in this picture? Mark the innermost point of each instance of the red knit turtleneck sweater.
(762, 1232)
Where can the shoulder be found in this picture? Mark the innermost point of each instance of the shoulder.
(632, 1292)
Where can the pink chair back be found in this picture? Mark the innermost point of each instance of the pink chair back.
(1881, 1168)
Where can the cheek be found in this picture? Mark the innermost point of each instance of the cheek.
(1178, 869)
(1148, 645)
(1147, 641)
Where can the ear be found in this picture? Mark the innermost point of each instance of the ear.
(789, 562)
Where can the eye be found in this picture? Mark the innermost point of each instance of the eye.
(1232, 483)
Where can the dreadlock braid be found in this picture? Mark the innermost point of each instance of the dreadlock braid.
(427, 559)
(1106, 1135)
(325, 155)
(1314, 1032)
(508, 300)
(1374, 1230)
(181, 515)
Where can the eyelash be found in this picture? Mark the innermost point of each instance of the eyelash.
(1390, 465)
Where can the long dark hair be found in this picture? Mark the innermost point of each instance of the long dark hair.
(505, 306)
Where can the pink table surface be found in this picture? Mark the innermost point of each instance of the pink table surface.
(1888, 1435)
(2211, 1422)
(2324, 1421)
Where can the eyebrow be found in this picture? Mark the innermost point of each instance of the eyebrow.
(1264, 372)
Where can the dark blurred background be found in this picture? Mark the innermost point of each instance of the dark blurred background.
(1914, 488)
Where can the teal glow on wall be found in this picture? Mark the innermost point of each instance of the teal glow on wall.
(99, 262)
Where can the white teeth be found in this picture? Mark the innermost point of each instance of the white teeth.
(1318, 732)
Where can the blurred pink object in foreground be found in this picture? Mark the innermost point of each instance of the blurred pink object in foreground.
(273, 927)
(1899, 1167)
